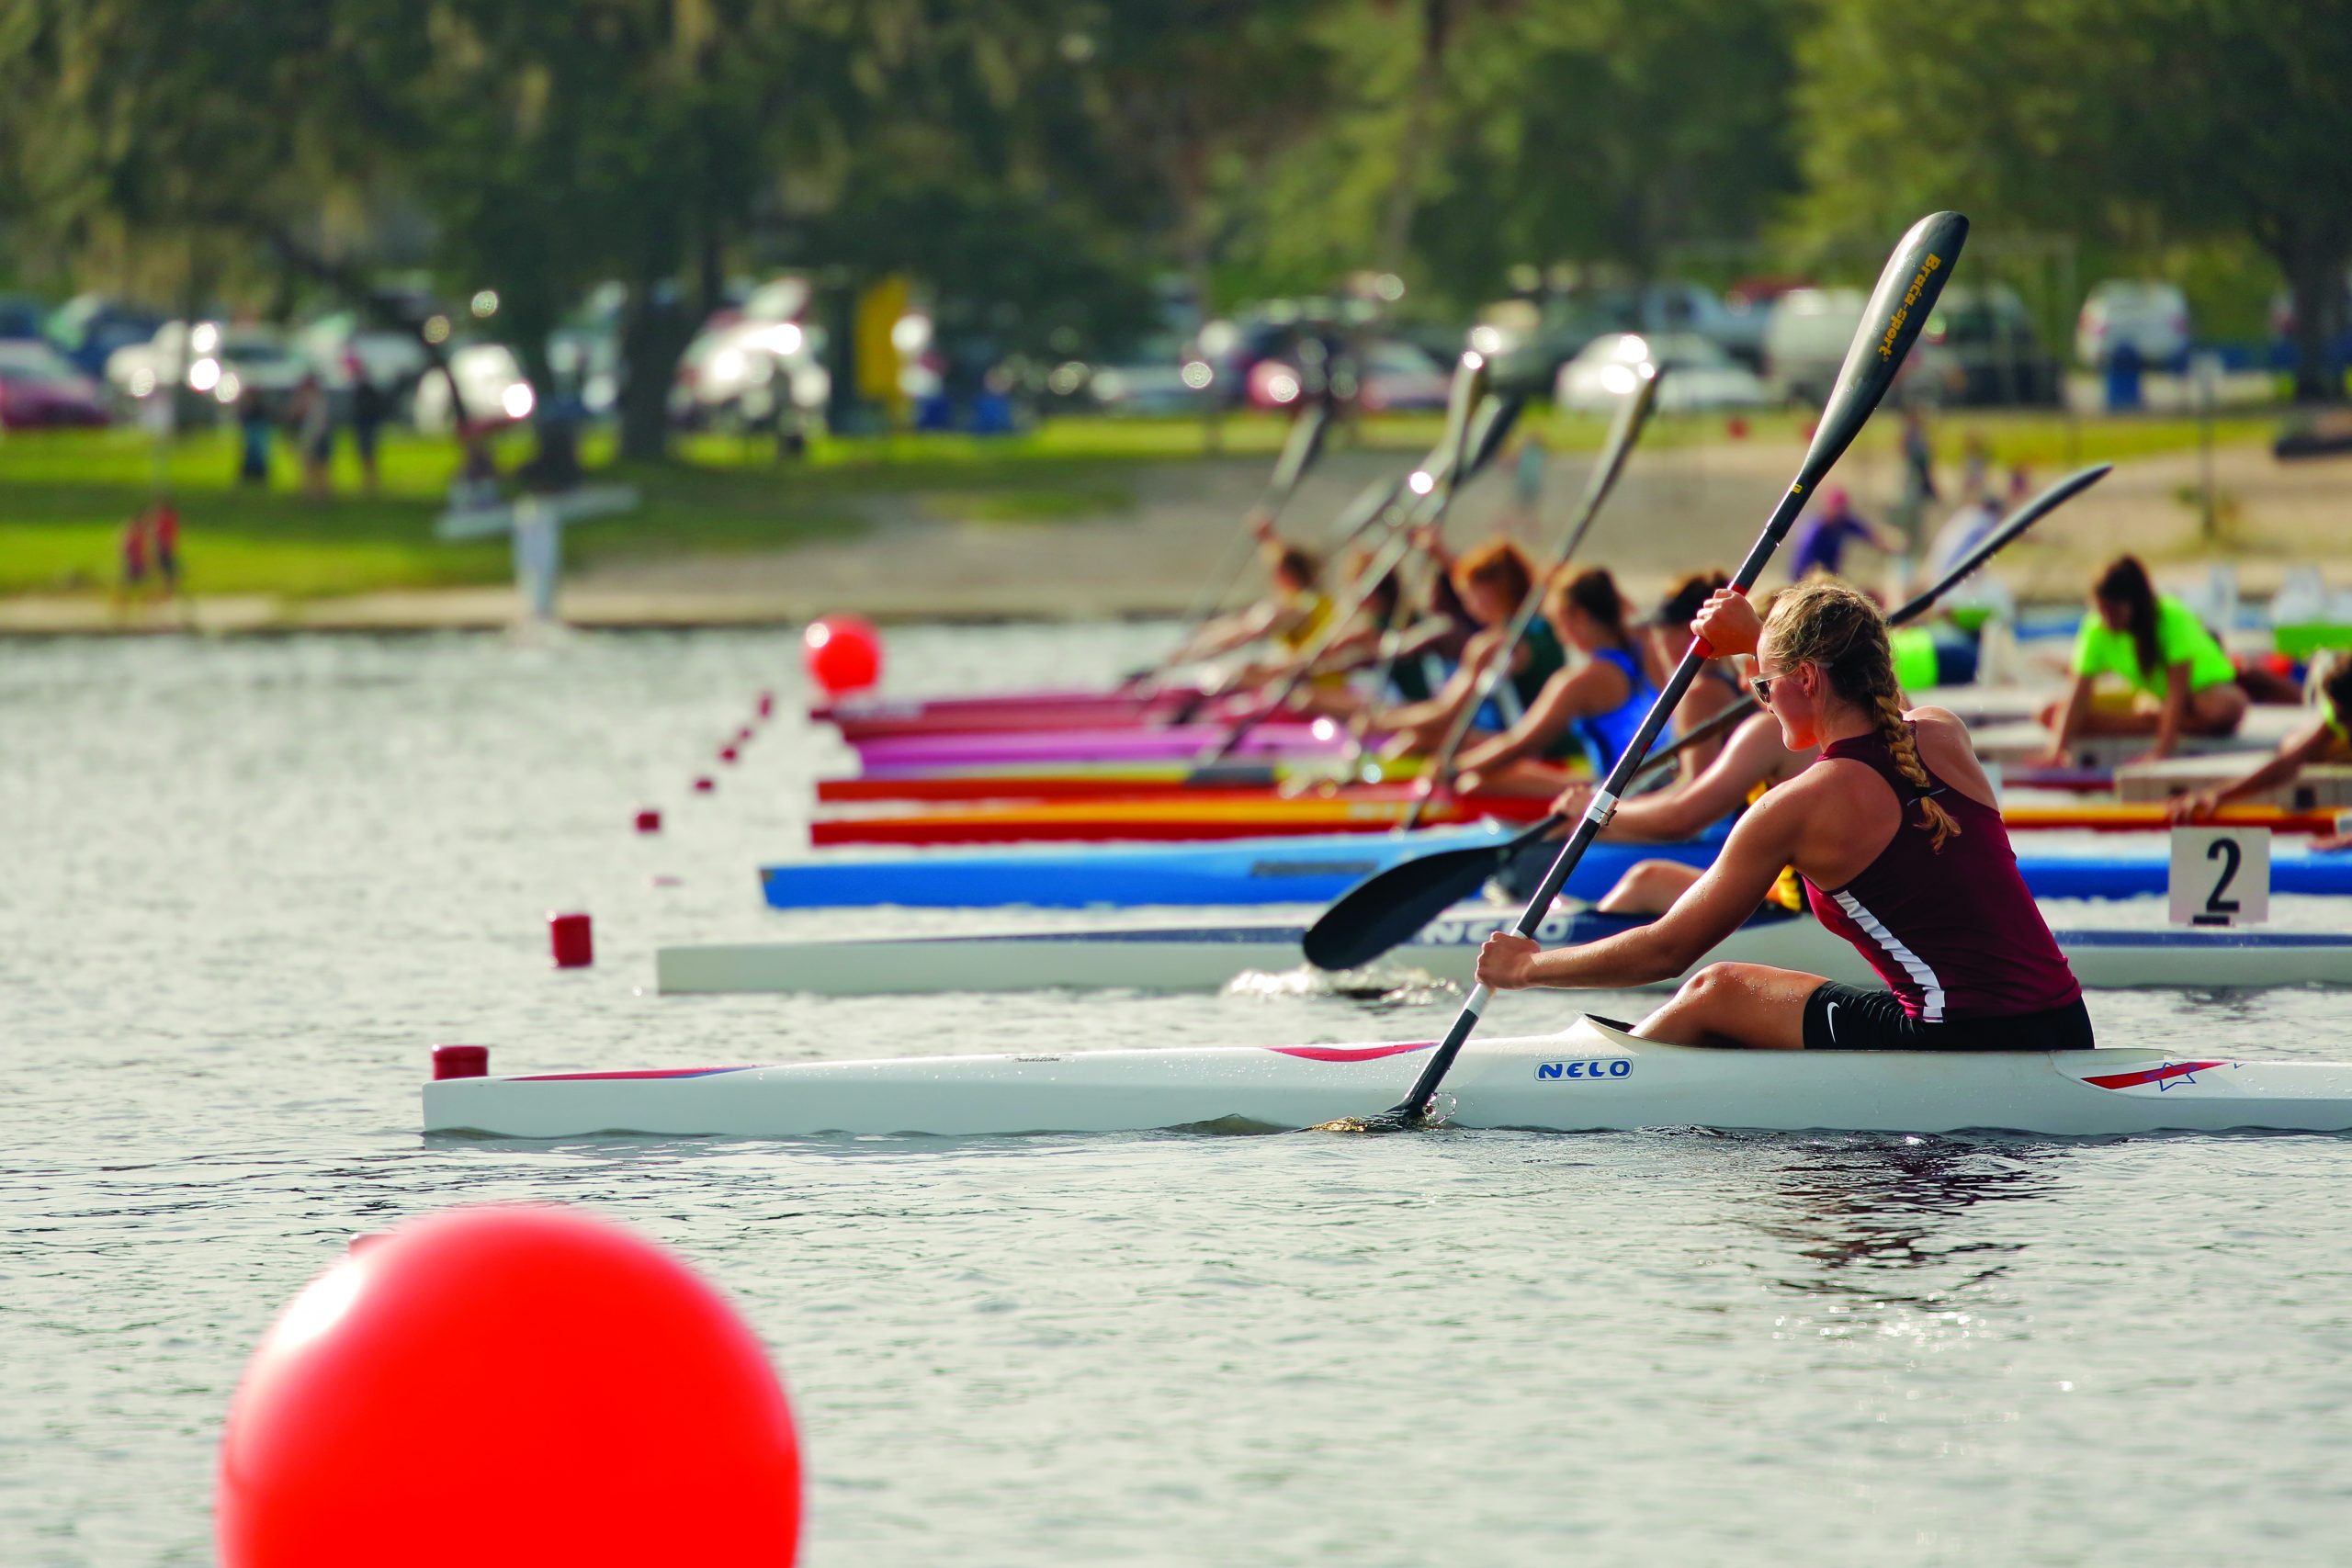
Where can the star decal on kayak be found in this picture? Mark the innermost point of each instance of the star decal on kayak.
(2170, 1076)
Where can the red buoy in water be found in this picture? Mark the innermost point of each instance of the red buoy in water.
(508, 1385)
(768, 703)
(705, 784)
(843, 653)
(727, 754)
(573, 944)
(648, 821)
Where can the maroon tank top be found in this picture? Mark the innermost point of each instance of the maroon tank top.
(1953, 934)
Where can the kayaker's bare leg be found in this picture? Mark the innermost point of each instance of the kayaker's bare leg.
(1734, 1005)
(1531, 779)
(1648, 887)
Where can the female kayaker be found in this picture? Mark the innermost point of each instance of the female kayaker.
(1591, 710)
(1493, 580)
(2183, 683)
(1901, 849)
(2324, 737)
(1291, 618)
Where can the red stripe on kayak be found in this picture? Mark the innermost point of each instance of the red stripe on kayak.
(639, 1072)
(1348, 1053)
(2153, 1075)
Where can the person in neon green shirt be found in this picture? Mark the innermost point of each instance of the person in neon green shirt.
(2325, 738)
(2182, 683)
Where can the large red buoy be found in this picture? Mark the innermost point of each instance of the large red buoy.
(843, 653)
(508, 1385)
(571, 939)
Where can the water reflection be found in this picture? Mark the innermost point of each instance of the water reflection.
(1864, 1213)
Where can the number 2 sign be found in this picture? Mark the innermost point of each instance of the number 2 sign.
(2220, 876)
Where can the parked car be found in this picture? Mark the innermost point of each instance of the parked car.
(747, 371)
(22, 319)
(1159, 375)
(88, 328)
(1306, 335)
(1383, 375)
(215, 363)
(490, 379)
(390, 357)
(2282, 329)
(1980, 348)
(2149, 315)
(1699, 375)
(1530, 341)
(40, 388)
(1805, 341)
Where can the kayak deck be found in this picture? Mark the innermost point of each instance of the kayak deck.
(1590, 1078)
(1205, 957)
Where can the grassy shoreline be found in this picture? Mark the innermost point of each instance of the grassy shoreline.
(65, 495)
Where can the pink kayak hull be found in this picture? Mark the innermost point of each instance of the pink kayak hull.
(984, 750)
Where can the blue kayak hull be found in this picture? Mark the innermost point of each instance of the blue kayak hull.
(1316, 869)
(1303, 869)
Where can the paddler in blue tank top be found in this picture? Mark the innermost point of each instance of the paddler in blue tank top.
(1589, 712)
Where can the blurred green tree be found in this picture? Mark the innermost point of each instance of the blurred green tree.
(2203, 119)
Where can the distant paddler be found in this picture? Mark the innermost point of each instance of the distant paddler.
(1289, 619)
(2179, 681)
(2325, 739)
(1895, 831)
(1493, 579)
(1587, 714)
(1719, 684)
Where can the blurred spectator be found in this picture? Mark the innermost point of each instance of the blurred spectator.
(369, 407)
(311, 413)
(1918, 457)
(1822, 541)
(1526, 486)
(476, 486)
(1975, 465)
(135, 550)
(1963, 532)
(254, 430)
(164, 522)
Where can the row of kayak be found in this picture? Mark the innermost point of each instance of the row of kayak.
(1316, 869)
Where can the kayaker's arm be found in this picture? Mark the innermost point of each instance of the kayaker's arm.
(2168, 717)
(2066, 718)
(1437, 712)
(1715, 907)
(1593, 687)
(1752, 755)
(2305, 746)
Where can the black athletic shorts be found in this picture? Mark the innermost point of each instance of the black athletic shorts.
(1849, 1018)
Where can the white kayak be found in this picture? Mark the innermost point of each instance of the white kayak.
(1207, 958)
(1592, 1077)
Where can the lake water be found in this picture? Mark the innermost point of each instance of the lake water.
(251, 884)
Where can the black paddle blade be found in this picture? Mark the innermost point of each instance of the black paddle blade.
(1388, 906)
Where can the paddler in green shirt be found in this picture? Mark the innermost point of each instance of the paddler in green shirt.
(2322, 739)
(2182, 682)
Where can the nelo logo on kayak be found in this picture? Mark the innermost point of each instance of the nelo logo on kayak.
(1591, 1067)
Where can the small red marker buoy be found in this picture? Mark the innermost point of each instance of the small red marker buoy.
(663, 879)
(768, 703)
(648, 821)
(704, 786)
(638, 1418)
(727, 754)
(569, 936)
(843, 653)
(461, 1062)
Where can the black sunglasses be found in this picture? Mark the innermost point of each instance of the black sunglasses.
(1762, 685)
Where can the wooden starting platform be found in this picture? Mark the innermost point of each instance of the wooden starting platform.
(2324, 786)
(2025, 742)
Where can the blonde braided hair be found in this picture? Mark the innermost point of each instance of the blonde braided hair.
(1826, 624)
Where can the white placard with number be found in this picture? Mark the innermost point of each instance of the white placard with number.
(2220, 876)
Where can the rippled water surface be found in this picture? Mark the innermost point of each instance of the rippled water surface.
(251, 884)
